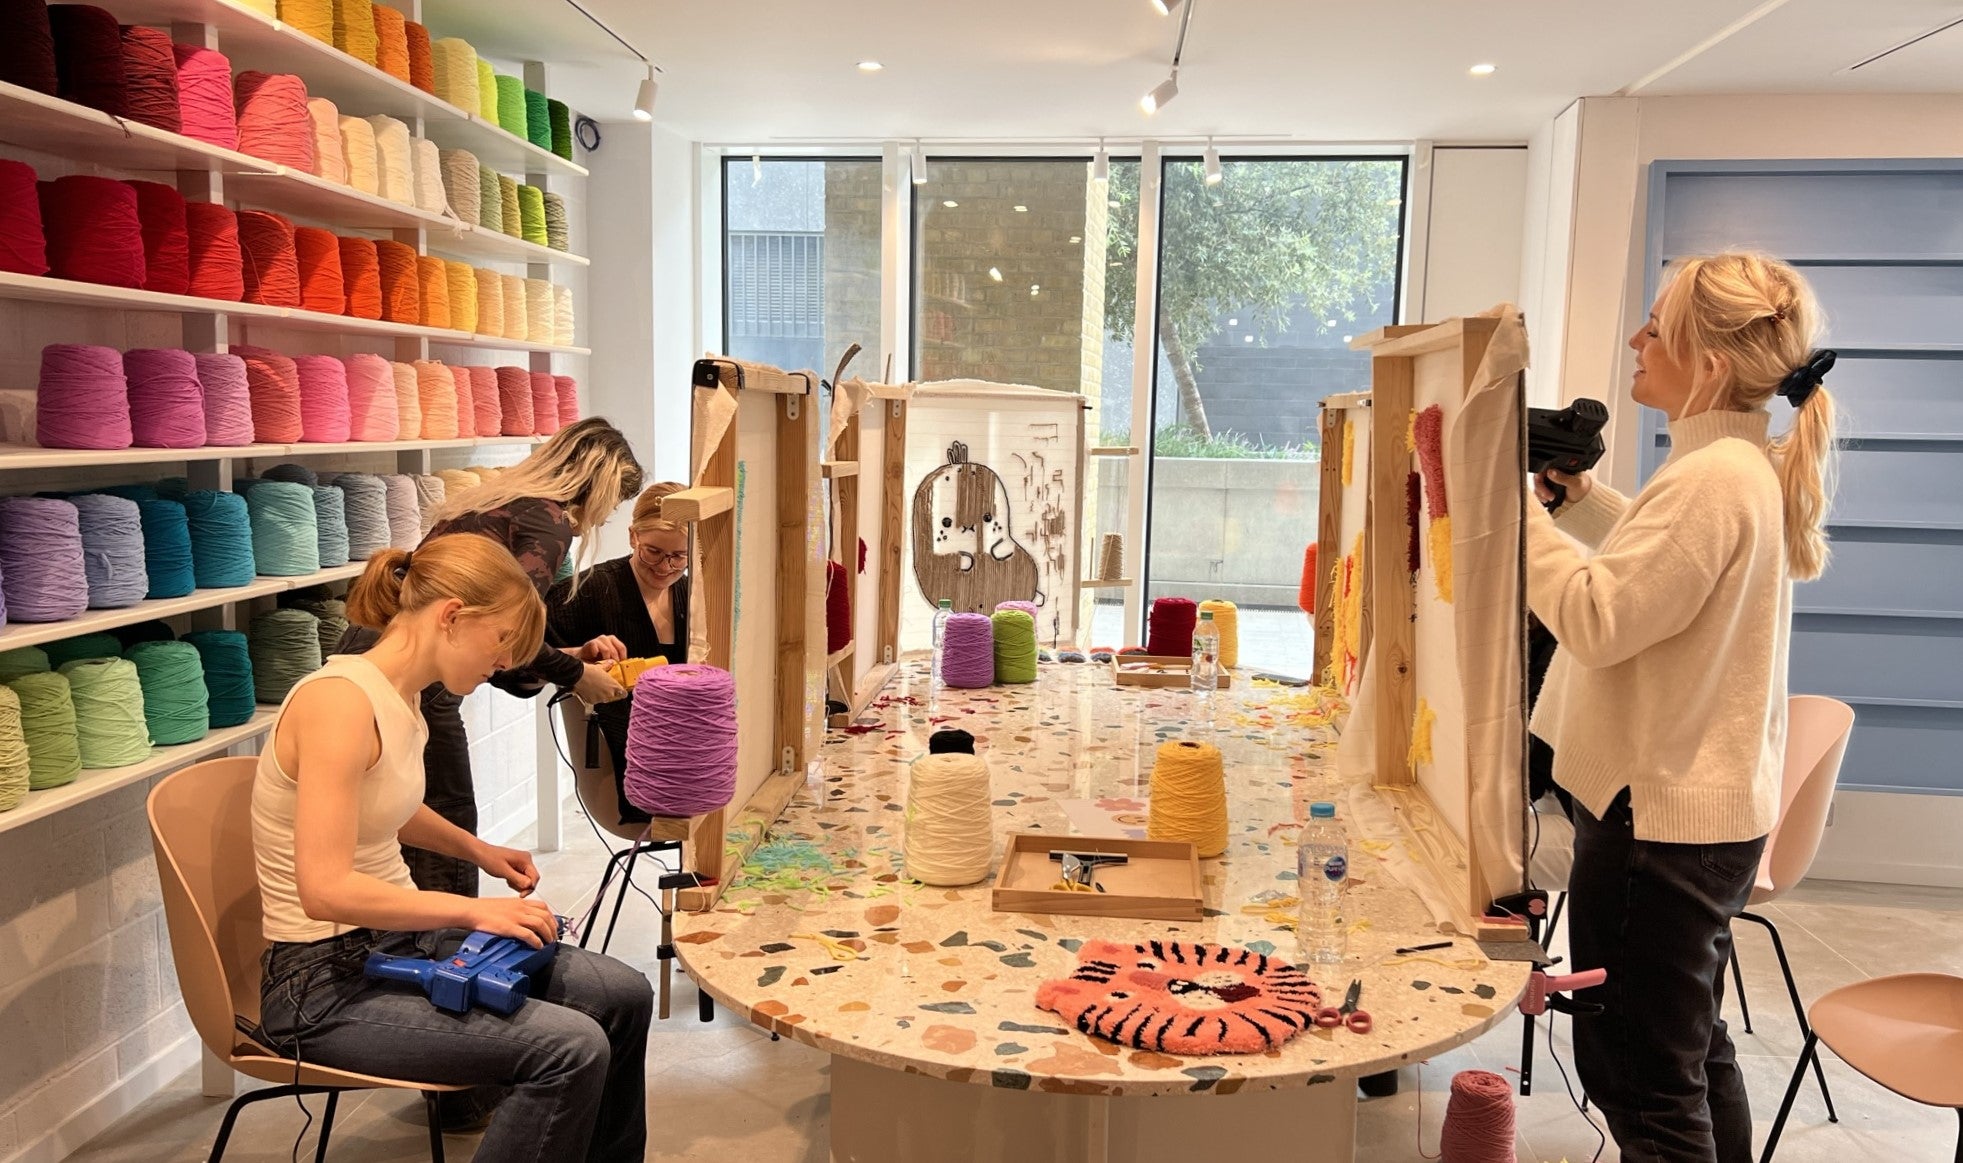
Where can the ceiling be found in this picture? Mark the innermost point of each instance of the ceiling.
(783, 71)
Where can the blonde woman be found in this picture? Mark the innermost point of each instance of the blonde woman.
(1666, 704)
(640, 600)
(337, 796)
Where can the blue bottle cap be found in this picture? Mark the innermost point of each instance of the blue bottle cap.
(1322, 811)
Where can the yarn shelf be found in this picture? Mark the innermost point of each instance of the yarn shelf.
(43, 289)
(19, 634)
(255, 41)
(49, 124)
(93, 784)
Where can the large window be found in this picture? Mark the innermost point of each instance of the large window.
(1264, 278)
(801, 244)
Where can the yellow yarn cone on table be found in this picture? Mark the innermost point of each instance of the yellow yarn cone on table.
(1189, 796)
(1226, 622)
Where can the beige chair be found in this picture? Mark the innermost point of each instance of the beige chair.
(593, 779)
(1905, 1032)
(201, 825)
(1817, 730)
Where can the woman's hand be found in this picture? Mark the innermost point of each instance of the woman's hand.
(597, 686)
(511, 865)
(604, 649)
(1576, 484)
(530, 921)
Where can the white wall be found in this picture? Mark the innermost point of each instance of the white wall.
(1475, 216)
(1598, 220)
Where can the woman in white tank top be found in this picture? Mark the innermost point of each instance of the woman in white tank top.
(340, 790)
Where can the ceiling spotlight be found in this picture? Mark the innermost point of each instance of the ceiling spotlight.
(1101, 167)
(995, 273)
(919, 164)
(644, 100)
(1158, 98)
(1483, 70)
(1165, 7)
(1213, 174)
(870, 66)
(951, 204)
(1034, 288)
(1022, 209)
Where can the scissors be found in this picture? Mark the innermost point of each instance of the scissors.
(1357, 1020)
(1079, 874)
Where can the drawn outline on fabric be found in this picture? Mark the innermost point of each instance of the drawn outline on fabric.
(963, 547)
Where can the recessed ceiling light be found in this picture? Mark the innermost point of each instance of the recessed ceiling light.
(995, 273)
(870, 66)
(950, 203)
(1033, 288)
(1483, 70)
(1022, 209)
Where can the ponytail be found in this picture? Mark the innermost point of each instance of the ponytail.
(376, 596)
(476, 571)
(1806, 463)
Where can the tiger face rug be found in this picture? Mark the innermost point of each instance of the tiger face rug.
(1183, 998)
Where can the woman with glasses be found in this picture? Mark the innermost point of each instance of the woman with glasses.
(637, 606)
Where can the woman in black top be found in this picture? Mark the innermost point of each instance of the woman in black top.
(641, 601)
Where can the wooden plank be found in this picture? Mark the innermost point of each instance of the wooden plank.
(1076, 606)
(1391, 602)
(845, 520)
(893, 530)
(837, 656)
(756, 377)
(840, 469)
(1329, 548)
(1383, 335)
(1112, 583)
(1112, 450)
(699, 503)
(1465, 330)
(875, 680)
(800, 583)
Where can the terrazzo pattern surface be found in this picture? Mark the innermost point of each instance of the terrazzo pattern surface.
(823, 939)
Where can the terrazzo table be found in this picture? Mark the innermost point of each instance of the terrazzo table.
(924, 997)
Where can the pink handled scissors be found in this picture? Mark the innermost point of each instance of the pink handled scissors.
(1357, 1020)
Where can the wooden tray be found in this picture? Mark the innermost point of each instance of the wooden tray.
(1160, 883)
(1163, 670)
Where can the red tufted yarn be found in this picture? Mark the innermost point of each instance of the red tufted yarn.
(166, 238)
(23, 251)
(93, 231)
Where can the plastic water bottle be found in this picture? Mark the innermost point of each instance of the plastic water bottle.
(1322, 866)
(941, 615)
(1206, 657)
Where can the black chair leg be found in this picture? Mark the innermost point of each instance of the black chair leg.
(1959, 1135)
(1799, 1007)
(1792, 1091)
(435, 1127)
(1553, 919)
(600, 897)
(1527, 1058)
(633, 854)
(271, 1092)
(1738, 989)
(705, 1006)
(326, 1127)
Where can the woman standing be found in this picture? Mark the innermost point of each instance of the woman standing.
(337, 795)
(1666, 704)
(565, 489)
(641, 600)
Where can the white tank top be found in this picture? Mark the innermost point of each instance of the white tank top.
(391, 791)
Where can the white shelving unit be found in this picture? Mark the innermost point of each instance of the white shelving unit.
(100, 782)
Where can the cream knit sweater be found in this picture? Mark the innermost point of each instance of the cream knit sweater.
(1671, 677)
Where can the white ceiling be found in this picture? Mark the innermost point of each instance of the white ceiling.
(782, 71)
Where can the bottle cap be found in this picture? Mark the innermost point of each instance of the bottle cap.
(947, 603)
(1206, 616)
(1322, 810)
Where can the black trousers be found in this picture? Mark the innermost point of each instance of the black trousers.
(1659, 1062)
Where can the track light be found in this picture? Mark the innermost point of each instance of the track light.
(919, 164)
(644, 100)
(1101, 168)
(1165, 7)
(1158, 98)
(1213, 174)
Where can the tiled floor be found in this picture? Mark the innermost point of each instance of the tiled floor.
(723, 1091)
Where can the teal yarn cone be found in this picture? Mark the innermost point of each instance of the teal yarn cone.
(66, 650)
(25, 660)
(285, 534)
(167, 547)
(1015, 646)
(176, 705)
(285, 648)
(47, 722)
(538, 119)
(16, 774)
(110, 728)
(221, 539)
(227, 675)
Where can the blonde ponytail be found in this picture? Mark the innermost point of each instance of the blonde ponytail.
(1760, 318)
(476, 571)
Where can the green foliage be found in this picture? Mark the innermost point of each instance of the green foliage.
(1182, 441)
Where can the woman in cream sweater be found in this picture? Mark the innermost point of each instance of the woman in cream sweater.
(1666, 706)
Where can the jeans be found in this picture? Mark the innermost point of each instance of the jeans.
(574, 1055)
(1658, 1061)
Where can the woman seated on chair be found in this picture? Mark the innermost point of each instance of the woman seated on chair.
(636, 604)
(339, 790)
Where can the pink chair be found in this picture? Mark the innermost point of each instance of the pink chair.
(1817, 730)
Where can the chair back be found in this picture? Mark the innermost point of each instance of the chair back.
(201, 828)
(593, 775)
(1817, 730)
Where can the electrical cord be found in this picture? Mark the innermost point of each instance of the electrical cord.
(1602, 1139)
(587, 131)
(559, 745)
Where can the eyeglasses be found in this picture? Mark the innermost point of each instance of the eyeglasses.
(652, 557)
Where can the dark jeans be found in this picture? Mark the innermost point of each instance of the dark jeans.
(574, 1055)
(1659, 1062)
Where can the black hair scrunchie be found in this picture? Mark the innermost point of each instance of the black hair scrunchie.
(1800, 383)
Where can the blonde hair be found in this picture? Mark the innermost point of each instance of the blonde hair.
(1758, 316)
(647, 510)
(588, 467)
(473, 569)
